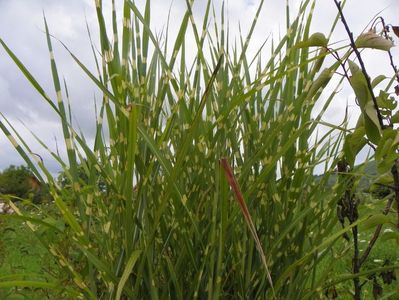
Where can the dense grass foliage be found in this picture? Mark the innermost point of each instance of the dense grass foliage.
(147, 212)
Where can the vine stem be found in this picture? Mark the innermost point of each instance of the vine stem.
(389, 51)
(358, 261)
(359, 57)
(356, 266)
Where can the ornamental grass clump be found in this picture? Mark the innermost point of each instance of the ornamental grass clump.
(147, 211)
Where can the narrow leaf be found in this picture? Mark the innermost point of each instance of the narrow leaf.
(374, 220)
(126, 273)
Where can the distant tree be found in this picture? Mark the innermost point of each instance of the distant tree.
(83, 174)
(19, 181)
(14, 180)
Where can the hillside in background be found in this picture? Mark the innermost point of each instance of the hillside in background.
(367, 171)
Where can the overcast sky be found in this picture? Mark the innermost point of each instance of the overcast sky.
(21, 27)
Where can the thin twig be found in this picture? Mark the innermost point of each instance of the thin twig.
(386, 186)
(375, 235)
(389, 51)
(335, 54)
(395, 174)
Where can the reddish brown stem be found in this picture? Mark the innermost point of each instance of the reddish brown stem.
(244, 209)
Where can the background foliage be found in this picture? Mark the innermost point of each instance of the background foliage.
(14, 180)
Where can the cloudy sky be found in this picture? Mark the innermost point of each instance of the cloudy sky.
(21, 27)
